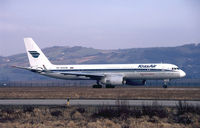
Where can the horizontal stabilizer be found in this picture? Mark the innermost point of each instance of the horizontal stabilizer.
(28, 68)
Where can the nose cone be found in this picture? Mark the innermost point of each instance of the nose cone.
(182, 73)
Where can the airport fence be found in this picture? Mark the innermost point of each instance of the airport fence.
(178, 82)
(48, 83)
(149, 83)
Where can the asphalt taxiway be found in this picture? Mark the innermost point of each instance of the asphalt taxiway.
(96, 102)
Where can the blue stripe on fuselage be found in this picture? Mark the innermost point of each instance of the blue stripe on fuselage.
(110, 70)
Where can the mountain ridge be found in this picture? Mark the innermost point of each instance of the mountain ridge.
(187, 57)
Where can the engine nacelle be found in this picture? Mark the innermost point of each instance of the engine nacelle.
(135, 82)
(112, 80)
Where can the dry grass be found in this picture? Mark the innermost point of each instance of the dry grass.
(103, 93)
(75, 117)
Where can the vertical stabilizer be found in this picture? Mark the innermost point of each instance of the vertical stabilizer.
(36, 57)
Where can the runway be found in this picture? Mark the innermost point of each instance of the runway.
(91, 102)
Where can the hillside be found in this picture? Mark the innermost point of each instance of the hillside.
(187, 57)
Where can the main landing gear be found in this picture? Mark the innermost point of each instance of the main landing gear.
(98, 85)
(110, 86)
(166, 81)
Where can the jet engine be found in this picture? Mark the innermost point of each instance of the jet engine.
(112, 80)
(135, 82)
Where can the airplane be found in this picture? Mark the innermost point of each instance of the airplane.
(108, 75)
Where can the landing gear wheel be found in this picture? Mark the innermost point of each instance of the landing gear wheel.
(166, 81)
(97, 86)
(164, 86)
(110, 86)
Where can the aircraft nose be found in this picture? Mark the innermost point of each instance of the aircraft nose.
(182, 73)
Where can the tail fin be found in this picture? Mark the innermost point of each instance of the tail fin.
(35, 55)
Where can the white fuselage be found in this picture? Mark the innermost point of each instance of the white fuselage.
(128, 71)
(107, 74)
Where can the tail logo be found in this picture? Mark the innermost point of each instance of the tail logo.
(34, 54)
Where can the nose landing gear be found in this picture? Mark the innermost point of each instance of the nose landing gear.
(164, 86)
(166, 81)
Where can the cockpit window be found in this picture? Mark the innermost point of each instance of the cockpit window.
(175, 68)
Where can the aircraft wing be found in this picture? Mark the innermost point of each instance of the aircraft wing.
(92, 75)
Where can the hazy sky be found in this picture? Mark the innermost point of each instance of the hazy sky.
(102, 24)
